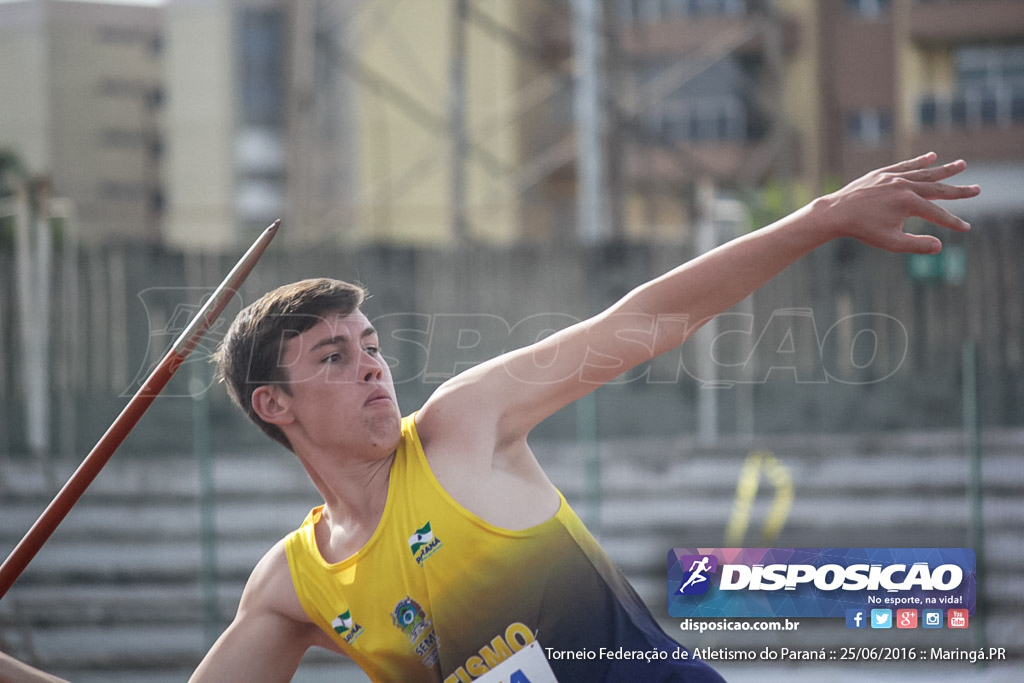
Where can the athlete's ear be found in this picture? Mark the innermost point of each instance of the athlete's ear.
(272, 404)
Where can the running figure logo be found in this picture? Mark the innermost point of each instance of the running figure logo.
(697, 567)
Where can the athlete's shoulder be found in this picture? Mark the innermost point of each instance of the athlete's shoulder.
(270, 588)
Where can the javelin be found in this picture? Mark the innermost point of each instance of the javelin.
(65, 499)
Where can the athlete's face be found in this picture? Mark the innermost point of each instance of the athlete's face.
(340, 389)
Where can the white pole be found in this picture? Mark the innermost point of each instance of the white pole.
(707, 392)
(40, 429)
(591, 218)
(71, 359)
(33, 317)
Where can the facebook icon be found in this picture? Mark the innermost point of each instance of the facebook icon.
(856, 618)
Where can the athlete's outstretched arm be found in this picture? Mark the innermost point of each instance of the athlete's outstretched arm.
(513, 393)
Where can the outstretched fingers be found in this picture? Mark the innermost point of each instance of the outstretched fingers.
(935, 173)
(909, 243)
(936, 190)
(923, 161)
(926, 184)
(930, 211)
(877, 204)
(926, 180)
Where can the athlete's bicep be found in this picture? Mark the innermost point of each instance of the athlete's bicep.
(255, 647)
(269, 634)
(509, 395)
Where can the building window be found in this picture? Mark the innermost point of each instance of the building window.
(127, 35)
(653, 11)
(928, 111)
(989, 90)
(261, 63)
(123, 138)
(989, 79)
(715, 105)
(1017, 106)
(990, 66)
(868, 9)
(117, 191)
(122, 87)
(870, 127)
(699, 119)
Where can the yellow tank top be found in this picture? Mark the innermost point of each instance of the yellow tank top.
(438, 594)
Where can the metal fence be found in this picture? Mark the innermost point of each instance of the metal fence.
(847, 340)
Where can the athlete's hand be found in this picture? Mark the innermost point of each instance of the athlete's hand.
(874, 207)
(14, 671)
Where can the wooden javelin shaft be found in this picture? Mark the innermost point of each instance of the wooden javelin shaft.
(66, 498)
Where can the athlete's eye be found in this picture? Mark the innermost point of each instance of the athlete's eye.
(372, 350)
(332, 358)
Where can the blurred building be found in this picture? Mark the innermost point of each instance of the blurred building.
(903, 77)
(805, 94)
(80, 102)
(344, 117)
(438, 123)
(225, 71)
(698, 90)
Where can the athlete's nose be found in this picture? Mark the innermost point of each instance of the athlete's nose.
(373, 370)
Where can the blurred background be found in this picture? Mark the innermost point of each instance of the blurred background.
(492, 170)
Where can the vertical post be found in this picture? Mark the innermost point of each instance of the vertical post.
(70, 355)
(34, 247)
(972, 440)
(457, 121)
(42, 289)
(905, 50)
(198, 385)
(613, 83)
(590, 195)
(207, 500)
(586, 437)
(707, 392)
(26, 304)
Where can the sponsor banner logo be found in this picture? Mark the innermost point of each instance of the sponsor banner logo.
(423, 544)
(346, 627)
(823, 582)
(413, 621)
(696, 580)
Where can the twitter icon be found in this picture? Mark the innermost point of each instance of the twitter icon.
(881, 618)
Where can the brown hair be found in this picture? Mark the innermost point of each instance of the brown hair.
(249, 356)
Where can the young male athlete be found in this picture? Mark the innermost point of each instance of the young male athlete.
(441, 548)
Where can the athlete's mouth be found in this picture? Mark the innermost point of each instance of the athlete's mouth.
(378, 397)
